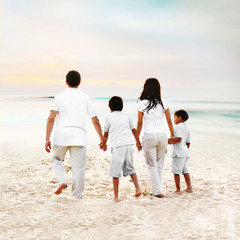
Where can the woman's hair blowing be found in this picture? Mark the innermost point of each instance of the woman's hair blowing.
(152, 92)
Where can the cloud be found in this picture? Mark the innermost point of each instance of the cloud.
(122, 42)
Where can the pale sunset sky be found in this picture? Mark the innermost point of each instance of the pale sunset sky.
(191, 46)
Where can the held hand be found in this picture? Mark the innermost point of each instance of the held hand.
(48, 146)
(170, 140)
(104, 148)
(100, 145)
(139, 146)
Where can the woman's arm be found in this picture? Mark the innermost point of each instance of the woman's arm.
(138, 143)
(139, 123)
(169, 122)
(174, 140)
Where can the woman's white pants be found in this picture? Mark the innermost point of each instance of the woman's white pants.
(154, 149)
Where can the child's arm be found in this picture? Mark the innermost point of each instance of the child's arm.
(104, 143)
(138, 143)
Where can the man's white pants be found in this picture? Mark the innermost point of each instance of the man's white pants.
(78, 163)
(154, 149)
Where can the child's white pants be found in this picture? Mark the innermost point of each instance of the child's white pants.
(154, 149)
(78, 163)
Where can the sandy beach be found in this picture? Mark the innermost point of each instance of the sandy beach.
(113, 48)
(30, 210)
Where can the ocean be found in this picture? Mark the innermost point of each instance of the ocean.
(23, 119)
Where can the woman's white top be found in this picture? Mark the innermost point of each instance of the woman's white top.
(153, 120)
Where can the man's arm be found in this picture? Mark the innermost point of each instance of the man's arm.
(98, 128)
(49, 128)
(188, 145)
(104, 143)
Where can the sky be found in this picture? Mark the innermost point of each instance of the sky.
(192, 47)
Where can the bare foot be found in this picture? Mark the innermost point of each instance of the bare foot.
(189, 190)
(116, 199)
(60, 188)
(178, 192)
(159, 195)
(138, 194)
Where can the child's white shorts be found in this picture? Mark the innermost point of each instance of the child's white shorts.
(179, 165)
(122, 160)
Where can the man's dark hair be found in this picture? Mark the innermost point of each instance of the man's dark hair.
(182, 113)
(116, 103)
(73, 78)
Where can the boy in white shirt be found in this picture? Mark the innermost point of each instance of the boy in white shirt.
(120, 127)
(180, 150)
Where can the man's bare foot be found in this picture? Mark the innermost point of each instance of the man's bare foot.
(60, 188)
(116, 199)
(189, 190)
(138, 193)
(159, 195)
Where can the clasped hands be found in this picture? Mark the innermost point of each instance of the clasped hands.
(104, 147)
(172, 140)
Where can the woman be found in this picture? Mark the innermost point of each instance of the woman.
(151, 111)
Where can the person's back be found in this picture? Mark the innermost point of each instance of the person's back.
(180, 149)
(119, 126)
(154, 117)
(152, 110)
(70, 109)
(73, 107)
(180, 152)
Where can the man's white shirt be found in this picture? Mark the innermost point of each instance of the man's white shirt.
(73, 107)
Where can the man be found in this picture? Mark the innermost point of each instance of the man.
(70, 109)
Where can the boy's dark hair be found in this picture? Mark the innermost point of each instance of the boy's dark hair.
(182, 113)
(73, 78)
(116, 103)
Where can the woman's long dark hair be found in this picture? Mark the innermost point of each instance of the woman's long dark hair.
(152, 92)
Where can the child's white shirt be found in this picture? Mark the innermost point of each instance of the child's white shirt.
(119, 126)
(180, 149)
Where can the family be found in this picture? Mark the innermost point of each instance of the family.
(70, 109)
